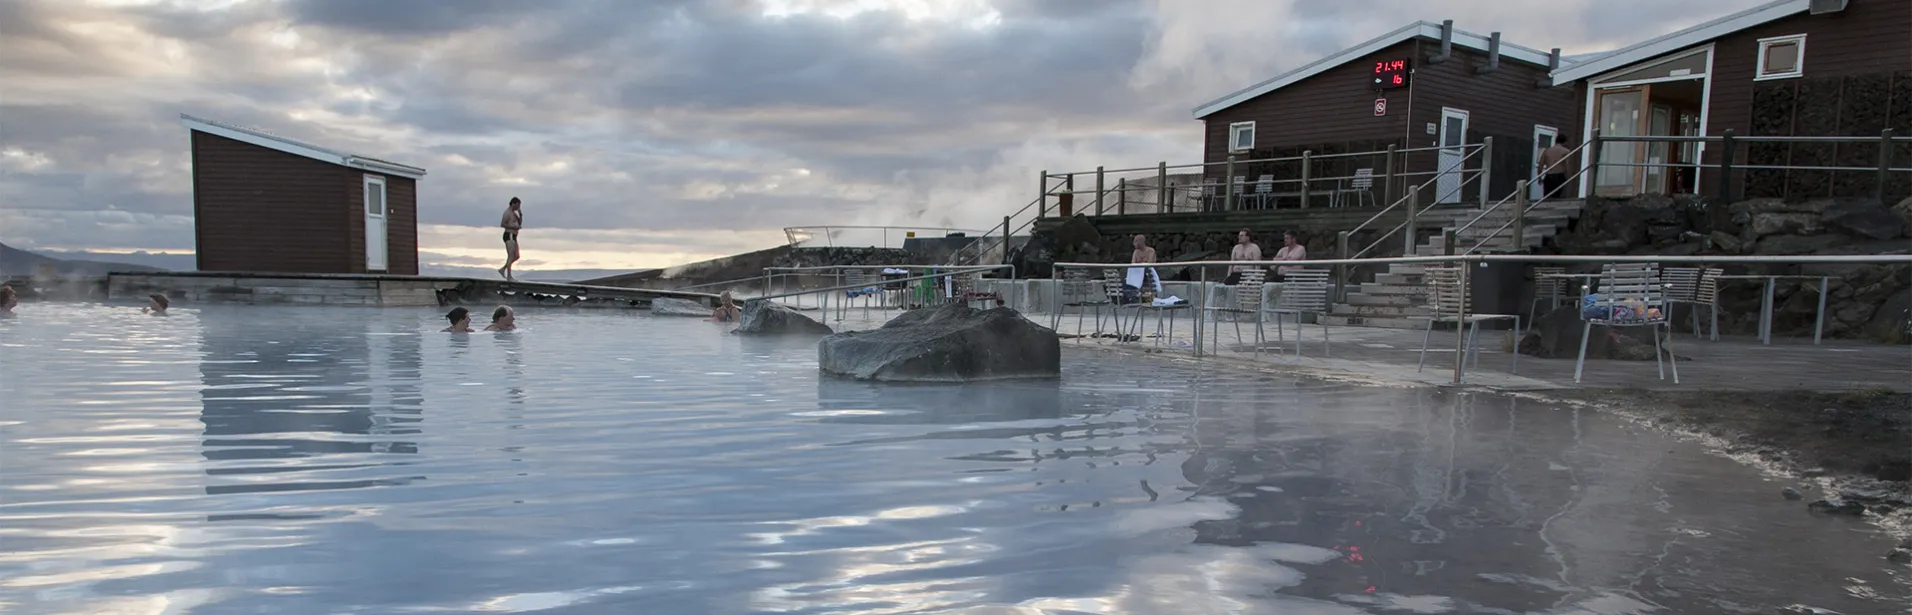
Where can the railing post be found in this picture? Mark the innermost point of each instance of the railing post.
(1042, 197)
(1885, 162)
(1726, 167)
(1460, 327)
(1099, 187)
(1590, 181)
(1162, 204)
(1005, 241)
(1486, 169)
(1448, 239)
(1387, 185)
(1228, 184)
(1121, 195)
(1520, 216)
(1307, 170)
(1341, 271)
(1201, 311)
(1413, 216)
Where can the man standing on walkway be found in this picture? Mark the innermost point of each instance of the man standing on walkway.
(1553, 167)
(513, 221)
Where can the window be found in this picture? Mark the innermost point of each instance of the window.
(1781, 57)
(1241, 136)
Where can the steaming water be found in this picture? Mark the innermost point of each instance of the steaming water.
(357, 461)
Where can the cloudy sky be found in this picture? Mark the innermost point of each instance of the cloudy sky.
(646, 133)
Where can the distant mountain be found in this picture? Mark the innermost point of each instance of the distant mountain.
(161, 260)
(549, 275)
(21, 262)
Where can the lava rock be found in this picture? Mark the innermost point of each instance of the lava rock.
(1899, 556)
(1556, 335)
(670, 306)
(1791, 494)
(952, 343)
(1865, 218)
(767, 318)
(1837, 507)
(1795, 244)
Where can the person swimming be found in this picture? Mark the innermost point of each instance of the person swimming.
(503, 319)
(726, 310)
(157, 306)
(460, 321)
(8, 300)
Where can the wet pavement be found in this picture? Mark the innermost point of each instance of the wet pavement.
(339, 460)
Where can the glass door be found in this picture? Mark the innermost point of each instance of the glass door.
(1657, 153)
(1619, 116)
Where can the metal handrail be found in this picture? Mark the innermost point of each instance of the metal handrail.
(957, 256)
(1503, 201)
(1193, 165)
(951, 271)
(1397, 228)
(1584, 169)
(1416, 214)
(791, 233)
(1462, 164)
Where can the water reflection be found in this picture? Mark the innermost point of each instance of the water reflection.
(302, 407)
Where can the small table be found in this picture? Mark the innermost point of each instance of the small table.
(1766, 304)
(1160, 310)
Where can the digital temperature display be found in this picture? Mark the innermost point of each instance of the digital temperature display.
(1390, 74)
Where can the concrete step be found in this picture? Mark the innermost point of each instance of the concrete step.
(1384, 289)
(1400, 279)
(1363, 299)
(1387, 311)
(1382, 322)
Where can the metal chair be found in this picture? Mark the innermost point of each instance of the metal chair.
(1303, 291)
(1450, 302)
(1549, 286)
(1265, 192)
(1086, 293)
(1695, 287)
(1240, 184)
(865, 287)
(965, 289)
(1632, 295)
(1361, 186)
(1247, 301)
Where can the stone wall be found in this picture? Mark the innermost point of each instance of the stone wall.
(1866, 301)
(255, 290)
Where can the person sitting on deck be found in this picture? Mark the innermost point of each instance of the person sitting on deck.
(8, 299)
(1245, 250)
(726, 310)
(503, 319)
(1291, 250)
(157, 306)
(1143, 253)
(460, 320)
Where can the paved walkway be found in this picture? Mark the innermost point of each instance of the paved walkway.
(1389, 356)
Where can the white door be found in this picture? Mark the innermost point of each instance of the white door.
(375, 223)
(1544, 137)
(1447, 187)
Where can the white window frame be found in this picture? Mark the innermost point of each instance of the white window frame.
(1799, 63)
(1234, 137)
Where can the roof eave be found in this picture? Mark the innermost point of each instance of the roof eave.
(298, 148)
(1427, 29)
(1680, 40)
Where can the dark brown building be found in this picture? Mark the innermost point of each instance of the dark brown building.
(1785, 68)
(1424, 85)
(264, 203)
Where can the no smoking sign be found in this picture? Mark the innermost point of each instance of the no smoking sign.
(1380, 107)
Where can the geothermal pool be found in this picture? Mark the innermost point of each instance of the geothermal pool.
(305, 460)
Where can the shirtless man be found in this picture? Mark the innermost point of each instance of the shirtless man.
(1143, 253)
(1291, 250)
(503, 319)
(1245, 250)
(1553, 167)
(512, 221)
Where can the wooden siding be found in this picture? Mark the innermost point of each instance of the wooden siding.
(1333, 111)
(1504, 104)
(258, 209)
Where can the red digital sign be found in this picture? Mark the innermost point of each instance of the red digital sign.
(1390, 74)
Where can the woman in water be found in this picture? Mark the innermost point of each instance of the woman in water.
(157, 306)
(726, 310)
(460, 320)
(503, 319)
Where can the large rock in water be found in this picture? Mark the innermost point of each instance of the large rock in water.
(952, 343)
(767, 318)
(670, 306)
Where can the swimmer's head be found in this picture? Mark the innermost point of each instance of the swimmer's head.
(159, 302)
(503, 316)
(458, 316)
